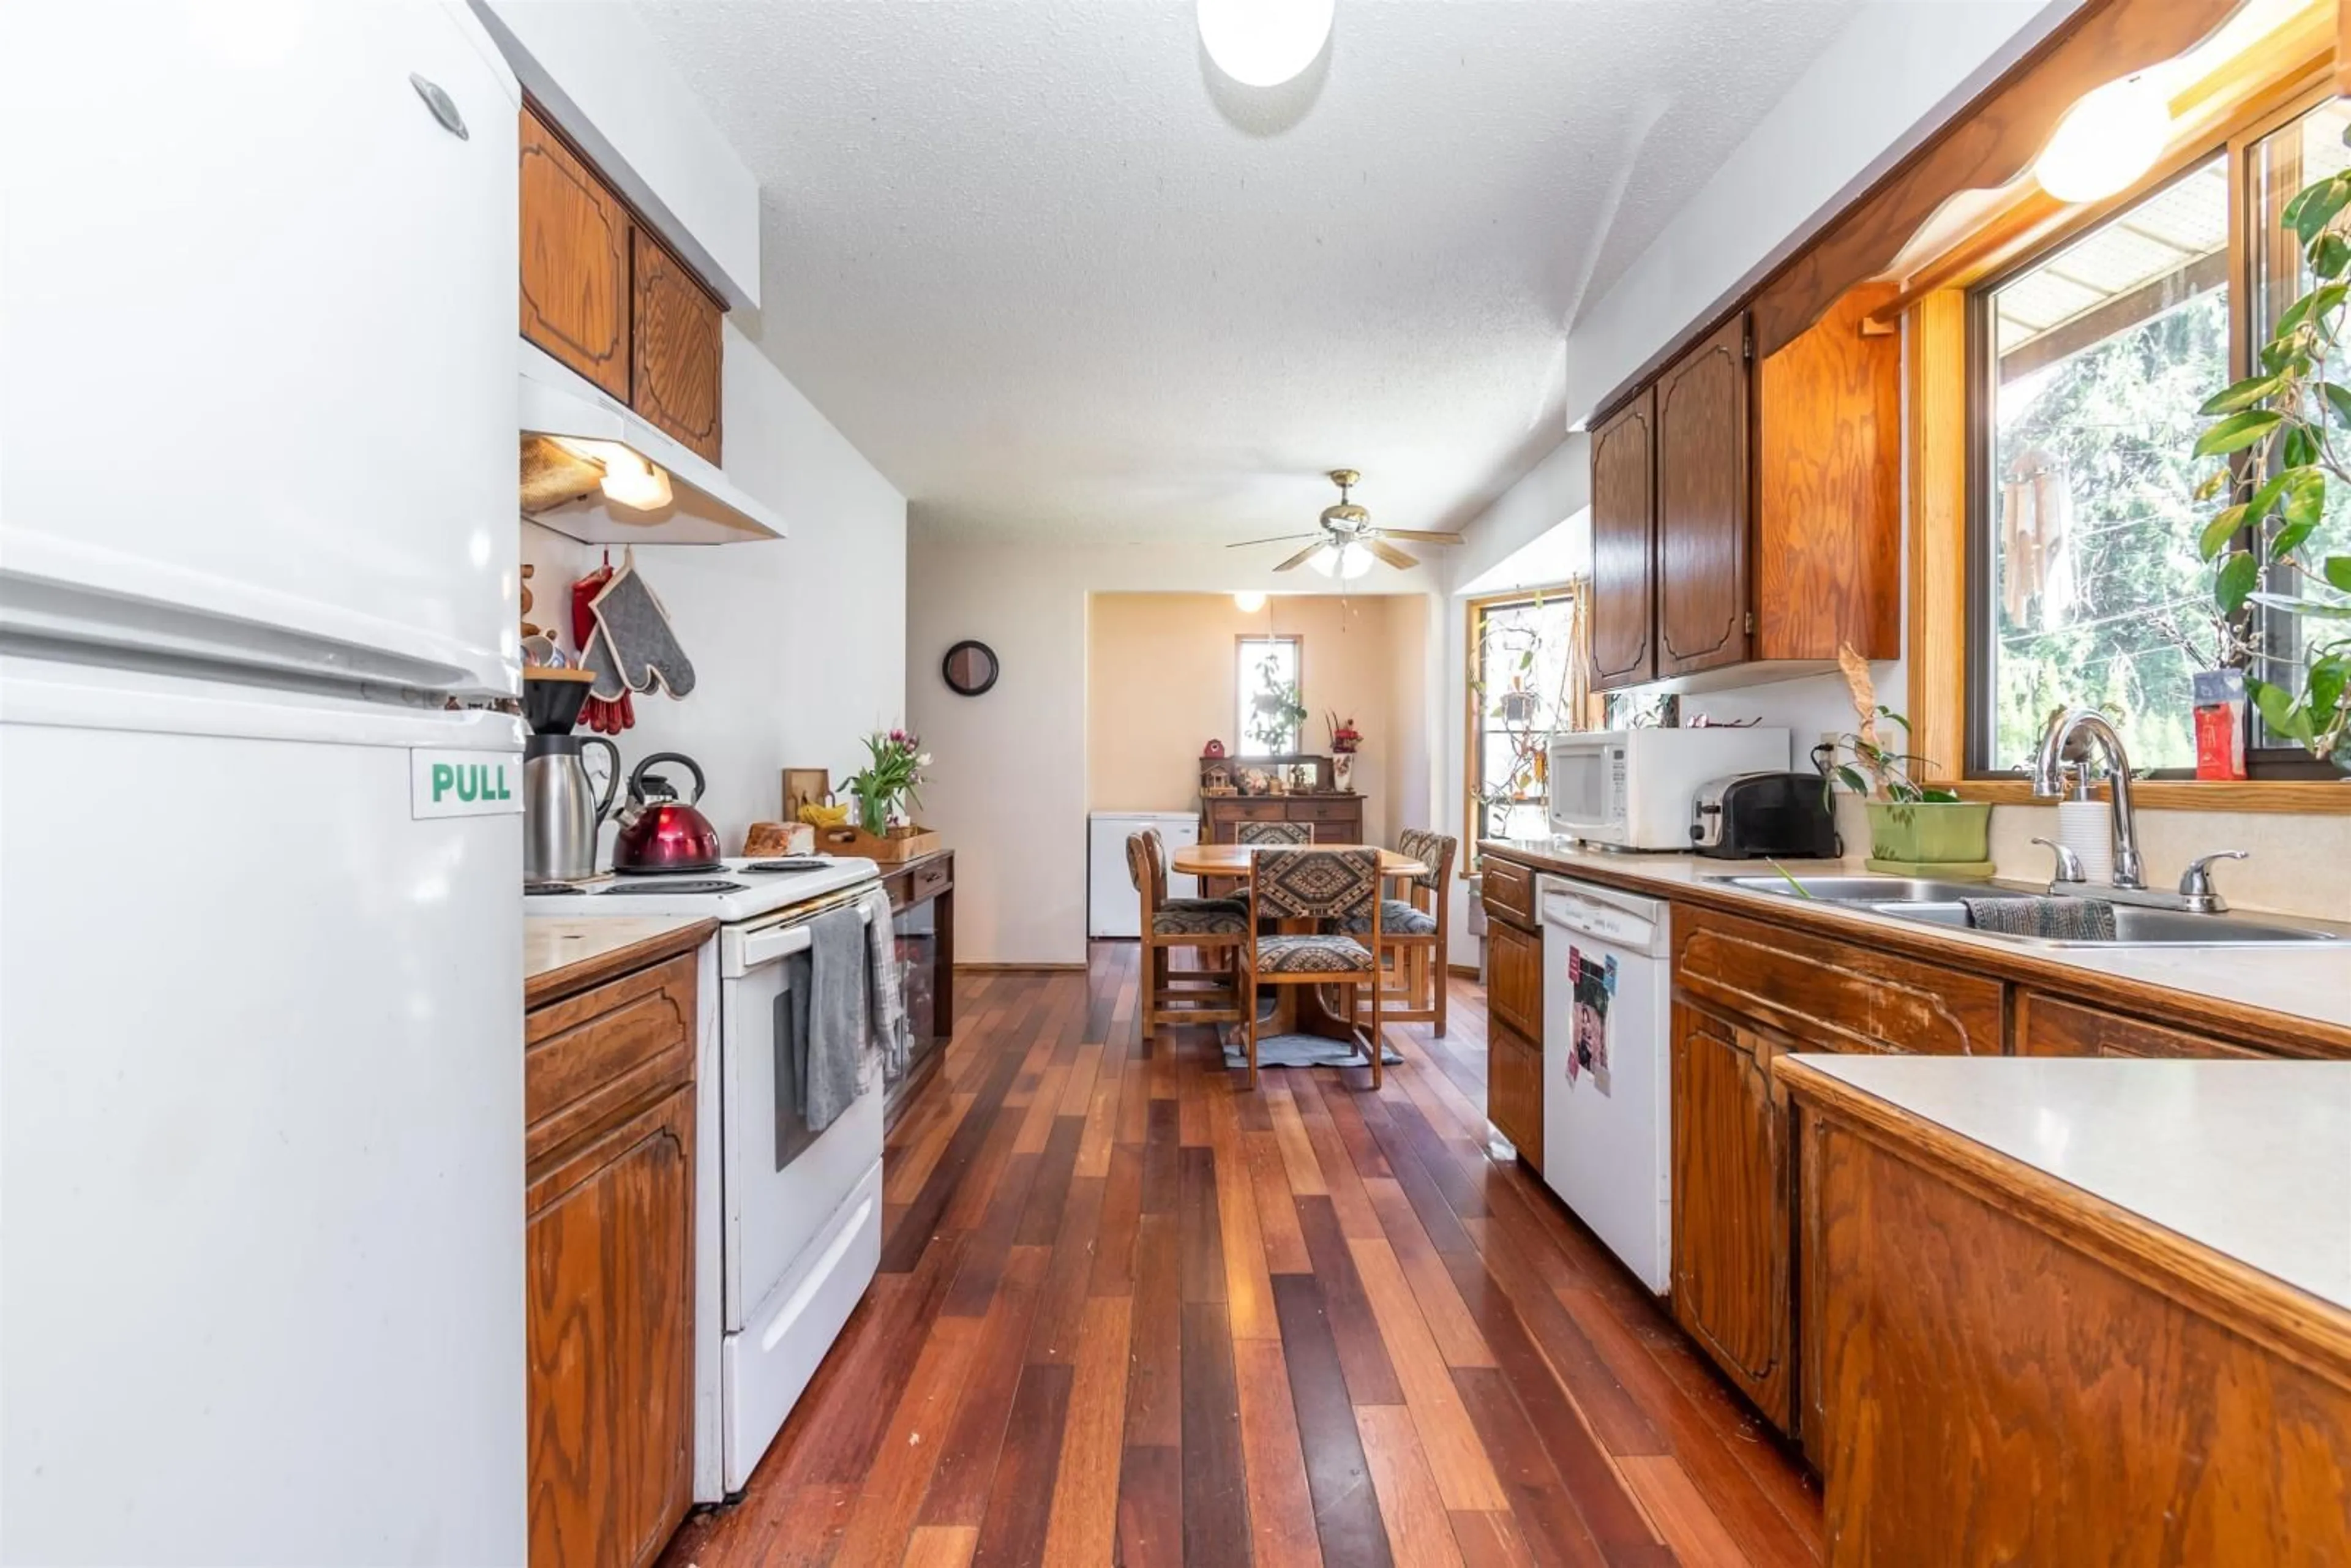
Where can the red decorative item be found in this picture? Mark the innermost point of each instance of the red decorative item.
(1215, 748)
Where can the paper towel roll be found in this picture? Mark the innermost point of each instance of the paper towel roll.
(2086, 827)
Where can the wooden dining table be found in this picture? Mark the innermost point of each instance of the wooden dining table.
(1298, 1009)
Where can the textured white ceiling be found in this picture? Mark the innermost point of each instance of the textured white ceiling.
(1057, 277)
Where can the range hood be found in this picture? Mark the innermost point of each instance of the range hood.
(569, 431)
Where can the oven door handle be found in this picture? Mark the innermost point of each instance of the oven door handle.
(740, 951)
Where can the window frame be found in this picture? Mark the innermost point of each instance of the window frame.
(1473, 750)
(2232, 143)
(1241, 641)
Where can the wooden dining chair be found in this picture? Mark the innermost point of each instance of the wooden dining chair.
(1273, 832)
(1321, 885)
(1216, 927)
(1414, 938)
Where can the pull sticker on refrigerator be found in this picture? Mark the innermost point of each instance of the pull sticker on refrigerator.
(445, 783)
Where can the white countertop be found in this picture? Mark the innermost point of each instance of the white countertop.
(553, 942)
(2251, 1159)
(2283, 980)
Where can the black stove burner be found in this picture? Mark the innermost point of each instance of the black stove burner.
(692, 888)
(790, 863)
(546, 887)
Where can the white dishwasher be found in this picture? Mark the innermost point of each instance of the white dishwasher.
(1607, 1105)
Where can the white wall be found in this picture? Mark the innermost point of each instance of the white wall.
(1009, 791)
(799, 644)
(1898, 69)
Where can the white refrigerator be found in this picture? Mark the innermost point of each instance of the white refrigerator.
(261, 1228)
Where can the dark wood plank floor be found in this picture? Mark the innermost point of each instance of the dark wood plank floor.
(1130, 1312)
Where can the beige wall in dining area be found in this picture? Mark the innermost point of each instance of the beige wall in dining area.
(1160, 675)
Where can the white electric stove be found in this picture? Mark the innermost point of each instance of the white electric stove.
(788, 1223)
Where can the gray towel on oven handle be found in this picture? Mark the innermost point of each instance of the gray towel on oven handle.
(888, 1013)
(834, 1043)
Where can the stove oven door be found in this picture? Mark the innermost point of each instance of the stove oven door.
(801, 1210)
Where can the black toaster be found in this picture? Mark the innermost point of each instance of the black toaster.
(1747, 816)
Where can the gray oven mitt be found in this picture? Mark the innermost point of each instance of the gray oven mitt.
(635, 632)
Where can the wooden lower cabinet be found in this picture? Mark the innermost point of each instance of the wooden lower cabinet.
(2002, 1382)
(1514, 1089)
(608, 1250)
(609, 1260)
(1514, 976)
(1731, 1196)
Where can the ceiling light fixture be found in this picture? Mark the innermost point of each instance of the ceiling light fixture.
(1264, 42)
(1248, 603)
(2107, 140)
(1346, 562)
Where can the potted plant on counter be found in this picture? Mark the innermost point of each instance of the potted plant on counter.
(1913, 827)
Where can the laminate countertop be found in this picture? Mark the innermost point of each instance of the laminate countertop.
(2294, 998)
(561, 956)
(2250, 1159)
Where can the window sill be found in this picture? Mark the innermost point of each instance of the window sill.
(2315, 796)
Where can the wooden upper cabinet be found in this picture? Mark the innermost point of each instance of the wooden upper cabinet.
(1828, 503)
(1624, 521)
(575, 261)
(1702, 486)
(674, 347)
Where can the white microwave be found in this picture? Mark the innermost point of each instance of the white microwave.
(1632, 788)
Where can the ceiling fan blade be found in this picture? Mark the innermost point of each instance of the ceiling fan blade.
(1277, 540)
(1421, 535)
(1383, 550)
(1300, 558)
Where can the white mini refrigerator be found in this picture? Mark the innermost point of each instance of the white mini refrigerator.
(1113, 906)
(1607, 1067)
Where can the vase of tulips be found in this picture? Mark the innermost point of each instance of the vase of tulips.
(890, 781)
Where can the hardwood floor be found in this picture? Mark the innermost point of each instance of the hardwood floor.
(1130, 1312)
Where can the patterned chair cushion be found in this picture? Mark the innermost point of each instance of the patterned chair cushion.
(1432, 849)
(1274, 834)
(1315, 883)
(1397, 918)
(1201, 918)
(1312, 956)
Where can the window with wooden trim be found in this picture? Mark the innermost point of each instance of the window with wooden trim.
(1525, 674)
(2088, 363)
(1267, 681)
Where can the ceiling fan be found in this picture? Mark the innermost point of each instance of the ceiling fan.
(1347, 541)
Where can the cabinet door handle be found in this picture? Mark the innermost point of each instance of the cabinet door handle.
(443, 106)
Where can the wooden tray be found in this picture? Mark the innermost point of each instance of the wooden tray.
(898, 845)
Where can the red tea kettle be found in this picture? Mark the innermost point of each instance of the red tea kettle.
(660, 835)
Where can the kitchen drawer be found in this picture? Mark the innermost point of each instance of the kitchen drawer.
(932, 880)
(1326, 811)
(2046, 1026)
(1252, 812)
(1509, 890)
(588, 1059)
(1831, 995)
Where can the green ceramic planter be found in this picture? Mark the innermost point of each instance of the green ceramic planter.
(1935, 832)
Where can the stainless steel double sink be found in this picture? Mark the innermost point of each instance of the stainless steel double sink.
(1939, 904)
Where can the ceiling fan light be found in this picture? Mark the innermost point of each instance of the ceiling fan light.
(1248, 602)
(2109, 138)
(1264, 42)
(1345, 562)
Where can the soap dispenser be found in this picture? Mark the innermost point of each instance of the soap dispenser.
(2085, 827)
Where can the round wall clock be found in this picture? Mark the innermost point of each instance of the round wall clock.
(969, 668)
